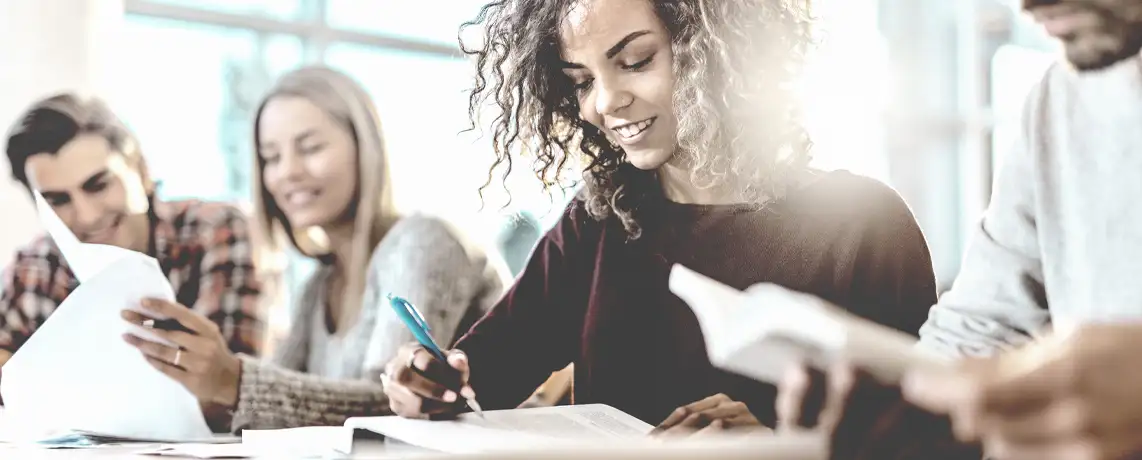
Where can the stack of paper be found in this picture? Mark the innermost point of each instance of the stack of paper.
(763, 331)
(77, 374)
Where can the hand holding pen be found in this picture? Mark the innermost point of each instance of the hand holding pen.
(423, 380)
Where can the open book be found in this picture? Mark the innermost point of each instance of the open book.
(77, 376)
(577, 432)
(763, 331)
(516, 428)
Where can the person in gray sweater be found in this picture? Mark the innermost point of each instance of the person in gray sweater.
(323, 184)
(1046, 315)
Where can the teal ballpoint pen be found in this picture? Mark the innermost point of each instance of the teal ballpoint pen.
(415, 323)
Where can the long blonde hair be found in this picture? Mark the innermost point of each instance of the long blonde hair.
(349, 104)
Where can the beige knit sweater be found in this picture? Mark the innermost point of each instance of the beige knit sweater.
(422, 259)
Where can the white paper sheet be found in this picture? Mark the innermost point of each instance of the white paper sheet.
(311, 441)
(759, 333)
(76, 372)
(511, 429)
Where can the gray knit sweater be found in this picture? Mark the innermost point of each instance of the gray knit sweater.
(422, 259)
(1060, 243)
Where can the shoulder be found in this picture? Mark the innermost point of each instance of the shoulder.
(856, 206)
(426, 240)
(39, 254)
(576, 224)
(421, 245)
(1064, 92)
(420, 232)
(844, 194)
(39, 267)
(209, 220)
(39, 247)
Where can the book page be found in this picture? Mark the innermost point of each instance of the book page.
(588, 421)
(510, 429)
(761, 332)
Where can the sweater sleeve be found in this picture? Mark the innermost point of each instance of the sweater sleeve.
(421, 259)
(999, 300)
(270, 397)
(534, 330)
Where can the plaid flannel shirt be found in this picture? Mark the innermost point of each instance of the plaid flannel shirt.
(204, 250)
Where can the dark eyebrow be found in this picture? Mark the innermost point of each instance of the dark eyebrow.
(95, 179)
(305, 135)
(624, 42)
(614, 50)
(53, 195)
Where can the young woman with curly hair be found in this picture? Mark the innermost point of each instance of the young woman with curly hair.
(683, 115)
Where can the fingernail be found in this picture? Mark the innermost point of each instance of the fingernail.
(468, 393)
(450, 396)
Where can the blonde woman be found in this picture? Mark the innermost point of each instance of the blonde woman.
(322, 184)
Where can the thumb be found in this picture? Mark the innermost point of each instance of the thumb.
(791, 392)
(459, 361)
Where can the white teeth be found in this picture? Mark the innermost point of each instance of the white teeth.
(632, 130)
(300, 197)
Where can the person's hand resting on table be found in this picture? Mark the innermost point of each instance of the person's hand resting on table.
(418, 384)
(1072, 396)
(201, 362)
(714, 413)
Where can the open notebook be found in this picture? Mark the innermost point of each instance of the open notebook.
(75, 379)
(762, 331)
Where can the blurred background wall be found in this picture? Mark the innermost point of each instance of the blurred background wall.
(921, 94)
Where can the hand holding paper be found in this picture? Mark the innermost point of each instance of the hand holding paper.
(200, 359)
(76, 372)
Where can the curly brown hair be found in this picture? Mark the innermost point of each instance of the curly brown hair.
(736, 63)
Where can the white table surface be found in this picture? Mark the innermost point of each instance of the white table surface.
(363, 449)
(368, 450)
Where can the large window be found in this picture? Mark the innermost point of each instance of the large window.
(190, 94)
(845, 124)
(436, 21)
(198, 70)
(276, 9)
(422, 106)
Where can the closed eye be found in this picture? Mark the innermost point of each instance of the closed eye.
(640, 64)
(584, 85)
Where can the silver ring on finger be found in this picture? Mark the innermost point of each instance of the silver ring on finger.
(177, 357)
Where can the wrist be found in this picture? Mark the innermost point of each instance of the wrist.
(227, 396)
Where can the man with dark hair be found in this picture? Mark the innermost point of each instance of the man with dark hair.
(88, 167)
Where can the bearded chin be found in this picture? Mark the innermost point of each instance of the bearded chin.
(1099, 54)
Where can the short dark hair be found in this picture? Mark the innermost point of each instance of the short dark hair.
(51, 123)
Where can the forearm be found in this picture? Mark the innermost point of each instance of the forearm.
(957, 332)
(270, 396)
